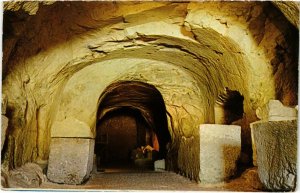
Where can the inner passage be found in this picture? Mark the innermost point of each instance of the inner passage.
(132, 129)
(121, 136)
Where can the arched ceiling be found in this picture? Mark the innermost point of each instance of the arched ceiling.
(81, 94)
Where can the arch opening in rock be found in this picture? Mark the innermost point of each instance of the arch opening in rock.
(229, 107)
(131, 121)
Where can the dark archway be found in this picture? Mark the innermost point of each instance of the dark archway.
(119, 132)
(136, 112)
(232, 102)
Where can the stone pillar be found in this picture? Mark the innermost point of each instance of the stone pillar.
(276, 147)
(220, 148)
(70, 160)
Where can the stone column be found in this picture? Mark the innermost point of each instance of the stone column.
(220, 148)
(70, 160)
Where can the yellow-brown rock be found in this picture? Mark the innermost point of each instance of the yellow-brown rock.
(290, 9)
(59, 59)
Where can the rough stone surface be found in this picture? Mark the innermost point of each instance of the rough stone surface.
(219, 114)
(71, 127)
(3, 104)
(220, 148)
(4, 175)
(30, 7)
(251, 177)
(274, 110)
(70, 160)
(159, 165)
(228, 107)
(189, 153)
(4, 125)
(276, 145)
(158, 181)
(290, 9)
(29, 175)
(254, 154)
(208, 46)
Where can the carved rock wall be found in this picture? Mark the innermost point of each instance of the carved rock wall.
(57, 65)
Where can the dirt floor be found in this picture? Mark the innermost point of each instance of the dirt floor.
(130, 179)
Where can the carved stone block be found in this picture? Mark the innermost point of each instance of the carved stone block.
(70, 160)
(274, 110)
(220, 148)
(276, 147)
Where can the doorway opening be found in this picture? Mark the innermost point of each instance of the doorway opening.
(132, 129)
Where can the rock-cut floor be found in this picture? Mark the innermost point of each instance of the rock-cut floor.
(114, 179)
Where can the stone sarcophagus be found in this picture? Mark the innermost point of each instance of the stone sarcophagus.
(70, 160)
(220, 148)
(276, 149)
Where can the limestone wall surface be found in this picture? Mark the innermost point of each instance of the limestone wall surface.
(55, 66)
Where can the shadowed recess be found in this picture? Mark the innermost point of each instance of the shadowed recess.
(142, 97)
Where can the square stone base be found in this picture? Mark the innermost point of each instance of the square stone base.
(70, 160)
(220, 148)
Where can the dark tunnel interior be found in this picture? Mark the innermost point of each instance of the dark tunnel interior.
(132, 129)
